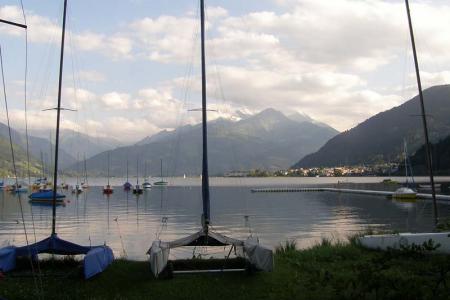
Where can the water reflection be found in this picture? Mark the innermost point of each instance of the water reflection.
(129, 223)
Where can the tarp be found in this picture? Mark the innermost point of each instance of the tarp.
(97, 260)
(159, 256)
(258, 256)
(52, 245)
(7, 258)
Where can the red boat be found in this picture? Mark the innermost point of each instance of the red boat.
(108, 190)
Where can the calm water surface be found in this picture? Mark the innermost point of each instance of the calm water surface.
(129, 223)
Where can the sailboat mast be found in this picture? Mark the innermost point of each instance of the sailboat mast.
(127, 170)
(85, 170)
(137, 171)
(424, 117)
(161, 171)
(205, 176)
(108, 167)
(58, 117)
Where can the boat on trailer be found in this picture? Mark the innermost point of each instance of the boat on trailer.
(258, 257)
(96, 258)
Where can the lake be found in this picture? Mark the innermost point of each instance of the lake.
(129, 223)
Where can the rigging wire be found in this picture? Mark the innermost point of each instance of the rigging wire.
(26, 132)
(232, 144)
(13, 158)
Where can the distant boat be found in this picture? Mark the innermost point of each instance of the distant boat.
(46, 197)
(19, 189)
(108, 189)
(405, 193)
(137, 188)
(146, 185)
(77, 190)
(127, 185)
(162, 182)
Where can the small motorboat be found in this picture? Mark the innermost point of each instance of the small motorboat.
(108, 190)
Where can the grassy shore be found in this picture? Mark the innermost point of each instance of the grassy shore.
(326, 271)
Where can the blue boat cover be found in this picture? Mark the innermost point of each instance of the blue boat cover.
(46, 195)
(7, 258)
(97, 260)
(52, 245)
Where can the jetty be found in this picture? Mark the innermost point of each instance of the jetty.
(347, 191)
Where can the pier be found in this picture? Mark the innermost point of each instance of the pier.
(348, 191)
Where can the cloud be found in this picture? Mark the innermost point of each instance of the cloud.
(115, 100)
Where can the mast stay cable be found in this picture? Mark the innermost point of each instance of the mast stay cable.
(13, 158)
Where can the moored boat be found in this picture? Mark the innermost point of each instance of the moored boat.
(404, 193)
(108, 189)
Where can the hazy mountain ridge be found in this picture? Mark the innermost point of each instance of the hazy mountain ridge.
(78, 144)
(380, 138)
(268, 140)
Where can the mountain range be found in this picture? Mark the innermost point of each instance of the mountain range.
(268, 140)
(380, 138)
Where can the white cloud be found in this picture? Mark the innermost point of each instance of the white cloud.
(115, 100)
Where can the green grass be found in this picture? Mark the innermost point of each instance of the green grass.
(329, 270)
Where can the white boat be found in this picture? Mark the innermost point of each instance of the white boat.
(77, 190)
(146, 185)
(402, 240)
(404, 193)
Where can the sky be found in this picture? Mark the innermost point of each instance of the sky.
(132, 67)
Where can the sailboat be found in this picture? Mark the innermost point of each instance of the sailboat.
(77, 189)
(162, 182)
(397, 241)
(85, 183)
(108, 189)
(127, 185)
(97, 258)
(405, 192)
(260, 257)
(146, 185)
(137, 188)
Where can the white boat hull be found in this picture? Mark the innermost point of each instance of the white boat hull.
(397, 241)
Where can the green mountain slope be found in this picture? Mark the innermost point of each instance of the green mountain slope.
(380, 138)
